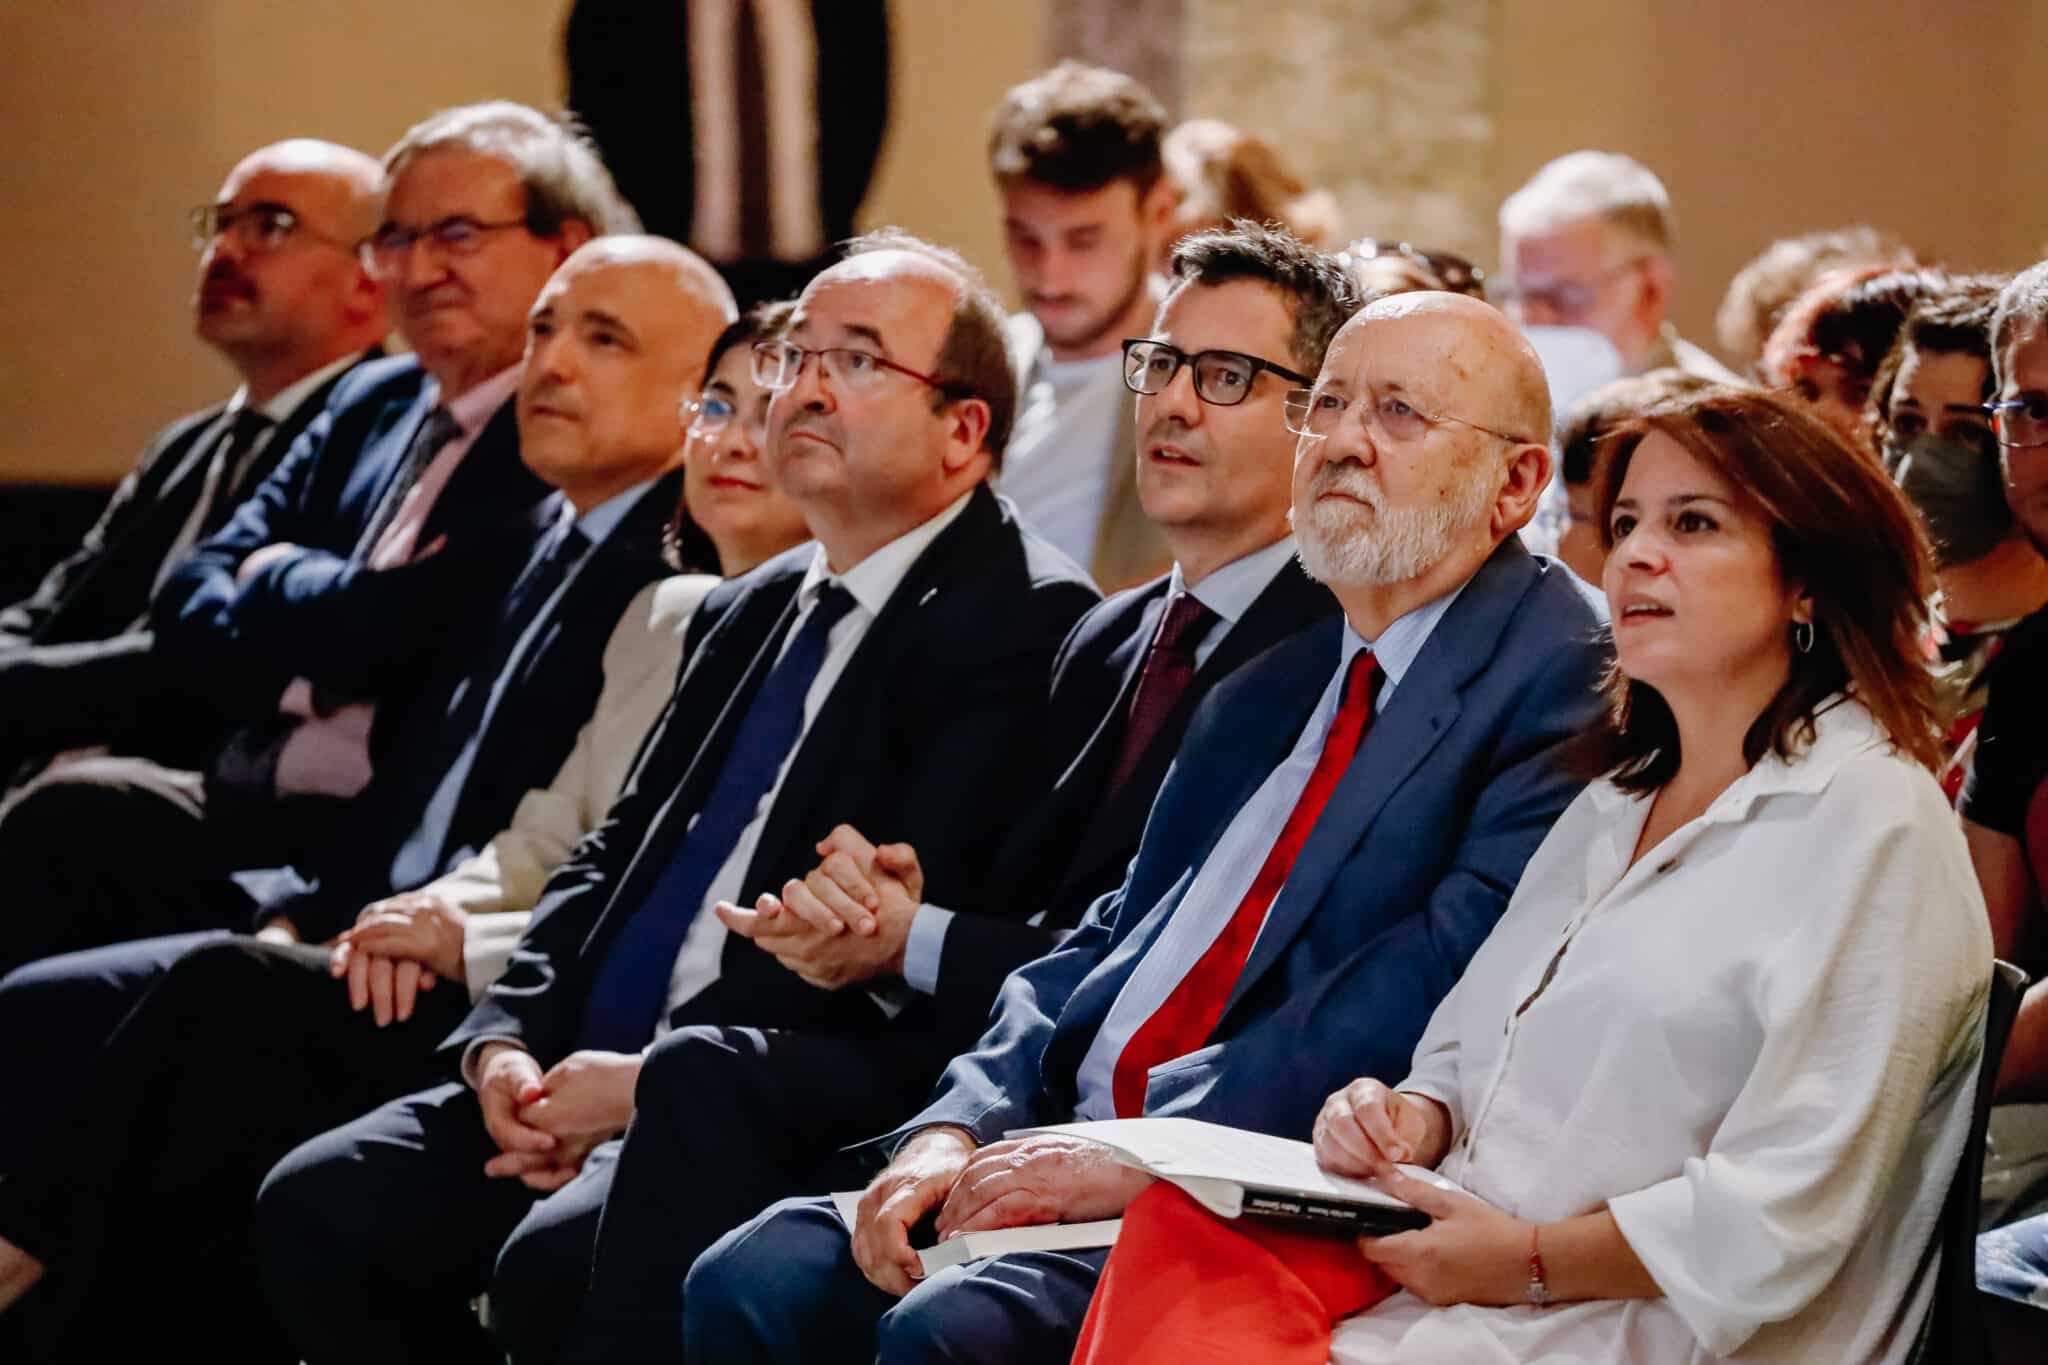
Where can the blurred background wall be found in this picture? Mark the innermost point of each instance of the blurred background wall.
(1762, 118)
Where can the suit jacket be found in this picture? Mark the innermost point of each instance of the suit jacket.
(103, 588)
(1072, 847)
(493, 725)
(1405, 872)
(317, 613)
(928, 735)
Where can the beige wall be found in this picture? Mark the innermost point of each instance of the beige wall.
(1764, 118)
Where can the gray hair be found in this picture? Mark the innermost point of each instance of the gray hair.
(564, 176)
(1590, 184)
(2022, 303)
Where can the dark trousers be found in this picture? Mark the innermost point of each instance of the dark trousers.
(375, 1237)
(726, 1122)
(784, 1288)
(137, 1199)
(109, 849)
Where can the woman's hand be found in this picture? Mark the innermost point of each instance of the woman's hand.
(1365, 1128)
(1470, 1253)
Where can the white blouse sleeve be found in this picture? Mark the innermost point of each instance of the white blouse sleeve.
(1880, 991)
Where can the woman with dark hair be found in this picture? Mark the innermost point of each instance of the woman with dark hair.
(1927, 414)
(1827, 348)
(1709, 1078)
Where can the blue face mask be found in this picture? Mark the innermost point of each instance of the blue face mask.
(1955, 485)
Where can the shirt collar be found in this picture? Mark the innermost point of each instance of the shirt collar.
(477, 406)
(873, 579)
(1402, 640)
(286, 400)
(1842, 729)
(1231, 590)
(601, 520)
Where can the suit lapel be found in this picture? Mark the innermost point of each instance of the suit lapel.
(1421, 711)
(1128, 658)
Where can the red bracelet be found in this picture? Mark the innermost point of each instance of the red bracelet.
(1539, 1291)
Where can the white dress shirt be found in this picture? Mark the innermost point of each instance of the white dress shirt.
(1222, 881)
(1229, 592)
(871, 583)
(1758, 1050)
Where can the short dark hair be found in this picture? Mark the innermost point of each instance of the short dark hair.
(684, 545)
(1841, 530)
(1955, 321)
(1858, 326)
(1595, 418)
(1321, 295)
(1077, 128)
(974, 358)
(2022, 303)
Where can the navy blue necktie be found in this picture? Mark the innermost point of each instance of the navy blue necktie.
(631, 985)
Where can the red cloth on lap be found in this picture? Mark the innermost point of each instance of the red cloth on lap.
(1184, 1287)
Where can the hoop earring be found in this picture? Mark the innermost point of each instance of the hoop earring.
(1802, 636)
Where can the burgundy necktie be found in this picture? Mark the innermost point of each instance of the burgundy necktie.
(1188, 1015)
(1169, 670)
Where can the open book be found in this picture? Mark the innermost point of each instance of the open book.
(1235, 1173)
(1229, 1171)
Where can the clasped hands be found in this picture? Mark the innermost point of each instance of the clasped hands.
(398, 947)
(1471, 1252)
(546, 1123)
(847, 921)
(1046, 1178)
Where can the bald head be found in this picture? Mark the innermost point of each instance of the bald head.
(1477, 351)
(281, 291)
(614, 346)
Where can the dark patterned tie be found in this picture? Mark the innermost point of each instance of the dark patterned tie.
(439, 428)
(631, 985)
(1169, 671)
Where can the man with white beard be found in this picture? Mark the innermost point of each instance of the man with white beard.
(1338, 834)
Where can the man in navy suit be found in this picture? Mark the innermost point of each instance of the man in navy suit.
(729, 1119)
(892, 673)
(128, 1190)
(1340, 831)
(384, 537)
(283, 297)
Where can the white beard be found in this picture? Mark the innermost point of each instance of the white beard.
(1344, 547)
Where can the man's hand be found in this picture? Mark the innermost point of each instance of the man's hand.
(255, 561)
(400, 946)
(585, 1099)
(845, 923)
(915, 1183)
(507, 1076)
(1365, 1128)
(1471, 1253)
(1041, 1179)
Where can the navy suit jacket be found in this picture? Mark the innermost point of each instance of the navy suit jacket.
(929, 736)
(494, 725)
(1402, 877)
(1075, 845)
(316, 613)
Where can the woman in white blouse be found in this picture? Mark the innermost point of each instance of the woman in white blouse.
(1709, 1078)
(464, 925)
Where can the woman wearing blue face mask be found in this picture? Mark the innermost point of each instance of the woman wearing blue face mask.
(1935, 440)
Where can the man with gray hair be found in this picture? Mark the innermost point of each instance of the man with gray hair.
(1588, 242)
(385, 537)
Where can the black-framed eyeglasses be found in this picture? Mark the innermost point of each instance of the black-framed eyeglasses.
(1452, 271)
(778, 364)
(1222, 378)
(256, 227)
(2020, 422)
(386, 250)
(1318, 415)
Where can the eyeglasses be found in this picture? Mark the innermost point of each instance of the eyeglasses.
(778, 364)
(2020, 421)
(386, 250)
(255, 227)
(1566, 298)
(1318, 415)
(1223, 378)
(711, 415)
(1452, 272)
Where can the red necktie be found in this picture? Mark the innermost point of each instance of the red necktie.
(1188, 1015)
